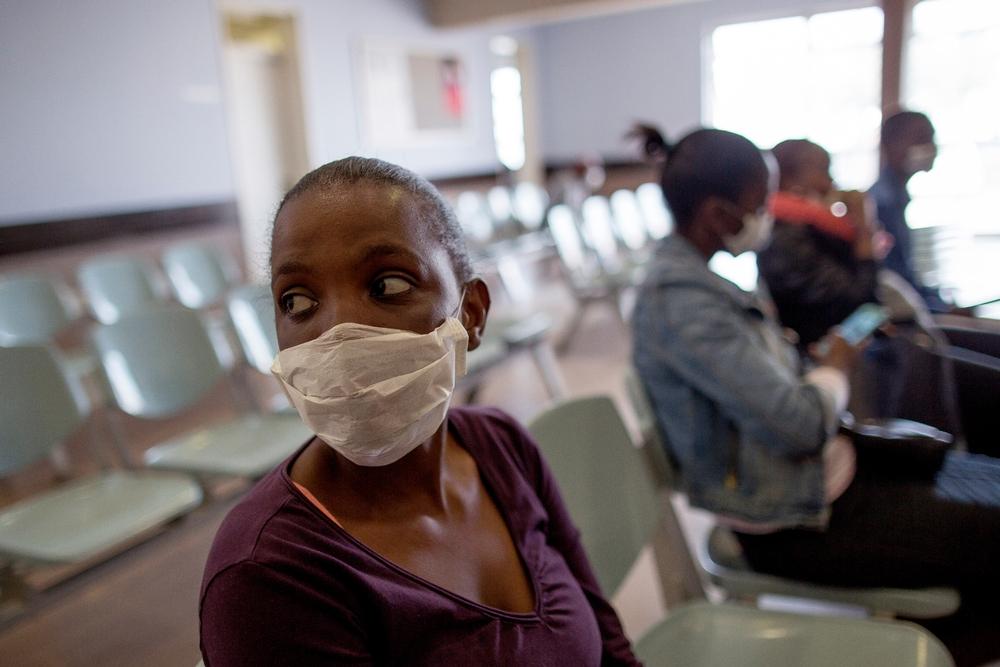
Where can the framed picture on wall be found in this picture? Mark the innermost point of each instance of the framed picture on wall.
(412, 97)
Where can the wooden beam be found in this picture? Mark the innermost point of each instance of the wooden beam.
(454, 13)
(896, 15)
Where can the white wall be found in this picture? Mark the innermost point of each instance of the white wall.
(600, 75)
(109, 105)
(329, 35)
(116, 105)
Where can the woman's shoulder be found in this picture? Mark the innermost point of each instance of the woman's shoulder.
(266, 529)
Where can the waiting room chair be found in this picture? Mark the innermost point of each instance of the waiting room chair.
(531, 202)
(474, 217)
(33, 310)
(629, 222)
(199, 274)
(584, 276)
(117, 286)
(708, 635)
(85, 518)
(722, 559)
(613, 501)
(599, 233)
(500, 201)
(654, 209)
(161, 362)
(251, 309)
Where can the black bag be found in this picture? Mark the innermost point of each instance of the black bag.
(898, 447)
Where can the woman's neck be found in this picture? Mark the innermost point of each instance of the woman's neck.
(705, 243)
(415, 483)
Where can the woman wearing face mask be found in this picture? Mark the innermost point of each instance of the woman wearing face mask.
(755, 437)
(819, 265)
(908, 147)
(405, 532)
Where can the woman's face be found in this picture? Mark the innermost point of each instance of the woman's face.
(815, 180)
(360, 254)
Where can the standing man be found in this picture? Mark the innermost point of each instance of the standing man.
(907, 147)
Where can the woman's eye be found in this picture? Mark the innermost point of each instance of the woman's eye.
(296, 304)
(390, 287)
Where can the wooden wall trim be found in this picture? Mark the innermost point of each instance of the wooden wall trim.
(896, 29)
(20, 238)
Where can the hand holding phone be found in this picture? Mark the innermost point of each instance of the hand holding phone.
(840, 347)
(862, 323)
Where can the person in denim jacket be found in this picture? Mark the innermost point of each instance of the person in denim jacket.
(754, 433)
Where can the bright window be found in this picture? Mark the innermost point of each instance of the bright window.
(816, 77)
(953, 75)
(508, 116)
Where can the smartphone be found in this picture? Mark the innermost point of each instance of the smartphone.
(863, 322)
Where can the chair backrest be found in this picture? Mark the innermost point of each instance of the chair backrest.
(628, 219)
(198, 273)
(654, 443)
(530, 203)
(474, 216)
(117, 286)
(501, 204)
(599, 231)
(604, 482)
(31, 310)
(569, 245)
(654, 210)
(157, 362)
(37, 407)
(251, 309)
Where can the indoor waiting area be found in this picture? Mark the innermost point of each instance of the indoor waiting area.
(500, 332)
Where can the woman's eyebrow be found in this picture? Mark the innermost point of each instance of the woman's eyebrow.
(291, 266)
(389, 249)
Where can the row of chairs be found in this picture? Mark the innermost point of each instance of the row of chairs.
(155, 360)
(590, 450)
(157, 364)
(36, 308)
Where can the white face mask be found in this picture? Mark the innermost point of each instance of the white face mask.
(920, 157)
(374, 394)
(753, 237)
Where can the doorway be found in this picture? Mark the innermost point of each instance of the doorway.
(266, 122)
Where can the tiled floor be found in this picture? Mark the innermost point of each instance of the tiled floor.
(141, 607)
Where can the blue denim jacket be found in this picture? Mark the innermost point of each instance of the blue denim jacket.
(745, 429)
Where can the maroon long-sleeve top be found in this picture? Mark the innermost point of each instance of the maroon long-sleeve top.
(286, 585)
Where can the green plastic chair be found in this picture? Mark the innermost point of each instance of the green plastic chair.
(251, 310)
(116, 286)
(161, 362)
(613, 500)
(88, 517)
(32, 311)
(706, 635)
(603, 480)
(199, 273)
(721, 556)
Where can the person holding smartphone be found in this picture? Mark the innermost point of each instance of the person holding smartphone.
(822, 261)
(755, 433)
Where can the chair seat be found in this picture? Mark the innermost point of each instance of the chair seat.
(490, 352)
(722, 557)
(526, 330)
(85, 518)
(727, 634)
(247, 447)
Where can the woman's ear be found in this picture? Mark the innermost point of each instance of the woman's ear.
(718, 216)
(475, 308)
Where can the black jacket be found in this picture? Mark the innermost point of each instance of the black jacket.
(814, 279)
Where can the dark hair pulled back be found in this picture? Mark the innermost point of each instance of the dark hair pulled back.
(704, 163)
